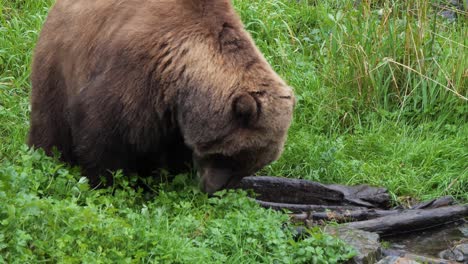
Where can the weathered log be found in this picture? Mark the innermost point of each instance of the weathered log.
(364, 195)
(315, 202)
(293, 191)
(412, 220)
(435, 203)
(344, 214)
(298, 191)
(307, 207)
(341, 216)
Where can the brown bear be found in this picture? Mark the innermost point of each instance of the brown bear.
(139, 85)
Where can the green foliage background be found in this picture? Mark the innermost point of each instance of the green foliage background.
(381, 92)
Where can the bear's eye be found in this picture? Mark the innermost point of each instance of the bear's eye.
(229, 40)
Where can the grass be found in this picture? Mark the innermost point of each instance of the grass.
(50, 216)
(381, 92)
(381, 98)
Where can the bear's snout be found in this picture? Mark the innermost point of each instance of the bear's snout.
(216, 179)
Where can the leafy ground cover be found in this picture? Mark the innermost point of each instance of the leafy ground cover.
(381, 92)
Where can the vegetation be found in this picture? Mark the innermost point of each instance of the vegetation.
(382, 92)
(381, 99)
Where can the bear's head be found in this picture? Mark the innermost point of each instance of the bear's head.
(233, 110)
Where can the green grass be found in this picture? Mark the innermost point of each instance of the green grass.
(381, 101)
(48, 215)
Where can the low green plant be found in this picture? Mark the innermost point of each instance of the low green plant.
(47, 214)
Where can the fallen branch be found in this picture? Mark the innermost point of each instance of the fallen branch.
(435, 203)
(364, 195)
(298, 191)
(359, 207)
(343, 216)
(412, 220)
(307, 207)
(294, 191)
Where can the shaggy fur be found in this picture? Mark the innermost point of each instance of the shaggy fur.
(145, 84)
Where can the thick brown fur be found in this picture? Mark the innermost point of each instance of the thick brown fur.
(145, 84)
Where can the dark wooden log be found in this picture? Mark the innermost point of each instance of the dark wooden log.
(298, 191)
(307, 207)
(412, 220)
(435, 203)
(313, 202)
(364, 195)
(293, 191)
(341, 216)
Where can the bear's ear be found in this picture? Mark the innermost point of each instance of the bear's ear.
(246, 108)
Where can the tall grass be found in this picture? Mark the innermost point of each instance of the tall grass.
(403, 65)
(397, 57)
(379, 85)
(18, 33)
